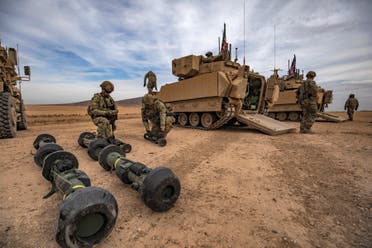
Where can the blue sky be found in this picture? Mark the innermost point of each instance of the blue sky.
(72, 45)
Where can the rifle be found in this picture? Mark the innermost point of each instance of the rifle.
(112, 118)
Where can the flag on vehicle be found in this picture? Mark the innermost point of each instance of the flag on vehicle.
(224, 45)
(292, 69)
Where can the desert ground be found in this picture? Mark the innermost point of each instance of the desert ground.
(240, 188)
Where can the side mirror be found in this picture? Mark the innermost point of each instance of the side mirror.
(27, 70)
(12, 55)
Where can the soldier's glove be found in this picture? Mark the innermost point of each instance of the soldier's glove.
(112, 112)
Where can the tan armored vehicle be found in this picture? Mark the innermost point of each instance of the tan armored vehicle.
(12, 110)
(287, 107)
(213, 91)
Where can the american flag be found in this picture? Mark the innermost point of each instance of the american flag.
(292, 69)
(224, 45)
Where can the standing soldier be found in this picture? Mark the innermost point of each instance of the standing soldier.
(351, 105)
(150, 80)
(103, 110)
(154, 113)
(307, 97)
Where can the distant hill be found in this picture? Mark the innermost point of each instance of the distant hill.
(126, 102)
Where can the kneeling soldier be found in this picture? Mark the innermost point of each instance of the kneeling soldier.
(156, 113)
(104, 112)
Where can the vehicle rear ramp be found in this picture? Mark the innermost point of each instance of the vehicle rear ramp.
(264, 123)
(329, 117)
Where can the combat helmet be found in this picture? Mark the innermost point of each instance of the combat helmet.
(311, 74)
(107, 86)
(208, 54)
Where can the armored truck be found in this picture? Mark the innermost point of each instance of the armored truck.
(12, 110)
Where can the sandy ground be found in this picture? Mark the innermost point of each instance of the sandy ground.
(240, 188)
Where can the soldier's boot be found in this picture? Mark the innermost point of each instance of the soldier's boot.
(307, 131)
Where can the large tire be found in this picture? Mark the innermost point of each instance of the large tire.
(22, 123)
(86, 217)
(44, 151)
(8, 116)
(85, 135)
(95, 148)
(68, 160)
(160, 189)
(47, 138)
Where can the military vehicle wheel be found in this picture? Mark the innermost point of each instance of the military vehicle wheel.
(272, 115)
(43, 137)
(85, 135)
(95, 147)
(182, 119)
(86, 217)
(293, 116)
(68, 160)
(194, 119)
(22, 124)
(45, 150)
(281, 116)
(207, 119)
(161, 189)
(102, 158)
(8, 116)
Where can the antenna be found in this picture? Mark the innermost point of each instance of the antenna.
(219, 48)
(274, 46)
(244, 34)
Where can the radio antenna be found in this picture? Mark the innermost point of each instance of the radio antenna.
(274, 46)
(244, 34)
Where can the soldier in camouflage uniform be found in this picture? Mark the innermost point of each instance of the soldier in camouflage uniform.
(307, 97)
(154, 113)
(150, 80)
(103, 110)
(351, 105)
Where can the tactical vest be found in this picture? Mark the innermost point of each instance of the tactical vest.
(306, 92)
(105, 104)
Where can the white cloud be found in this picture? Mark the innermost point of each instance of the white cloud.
(122, 40)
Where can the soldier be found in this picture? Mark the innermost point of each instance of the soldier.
(150, 80)
(154, 112)
(208, 57)
(307, 97)
(351, 105)
(103, 110)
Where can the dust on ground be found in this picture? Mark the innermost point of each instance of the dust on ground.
(240, 188)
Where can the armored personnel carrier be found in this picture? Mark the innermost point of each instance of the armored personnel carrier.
(12, 110)
(286, 107)
(214, 91)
